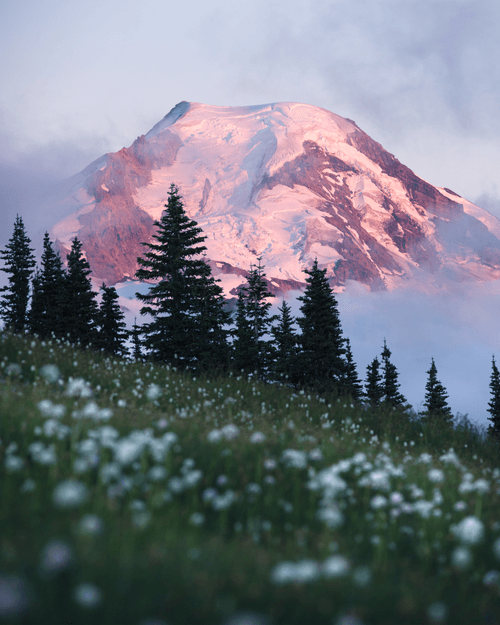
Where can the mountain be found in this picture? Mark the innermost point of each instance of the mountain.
(289, 182)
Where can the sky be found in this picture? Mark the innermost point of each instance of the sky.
(420, 77)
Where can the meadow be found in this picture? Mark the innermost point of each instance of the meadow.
(132, 493)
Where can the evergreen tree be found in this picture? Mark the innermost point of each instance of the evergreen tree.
(212, 335)
(494, 404)
(285, 341)
(19, 263)
(48, 293)
(390, 382)
(186, 302)
(320, 361)
(374, 390)
(353, 386)
(136, 341)
(435, 399)
(79, 309)
(244, 347)
(257, 324)
(112, 327)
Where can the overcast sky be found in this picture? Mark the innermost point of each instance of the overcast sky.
(422, 77)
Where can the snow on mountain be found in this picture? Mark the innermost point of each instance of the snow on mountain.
(289, 182)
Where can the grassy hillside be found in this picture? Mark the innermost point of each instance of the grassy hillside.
(134, 494)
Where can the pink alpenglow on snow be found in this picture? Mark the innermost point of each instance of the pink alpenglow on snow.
(288, 182)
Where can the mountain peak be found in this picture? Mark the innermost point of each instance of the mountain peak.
(287, 181)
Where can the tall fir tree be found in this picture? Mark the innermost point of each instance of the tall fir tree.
(285, 344)
(374, 390)
(19, 262)
(79, 311)
(185, 302)
(353, 386)
(436, 405)
(48, 293)
(390, 382)
(320, 362)
(136, 341)
(253, 352)
(244, 348)
(494, 404)
(112, 329)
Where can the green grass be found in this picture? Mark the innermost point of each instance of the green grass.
(128, 499)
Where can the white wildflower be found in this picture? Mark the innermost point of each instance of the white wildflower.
(425, 458)
(78, 387)
(257, 437)
(14, 597)
(336, 566)
(294, 458)
(461, 558)
(331, 515)
(230, 431)
(153, 392)
(437, 612)
(50, 372)
(492, 578)
(496, 548)
(13, 463)
(469, 531)
(55, 557)
(295, 572)
(87, 596)
(69, 494)
(362, 576)
(270, 463)
(436, 476)
(197, 518)
(90, 525)
(377, 502)
(49, 409)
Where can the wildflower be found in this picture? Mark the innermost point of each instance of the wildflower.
(270, 463)
(28, 485)
(157, 473)
(424, 508)
(230, 431)
(14, 597)
(77, 387)
(492, 578)
(90, 525)
(257, 437)
(209, 494)
(214, 436)
(294, 458)
(50, 372)
(290, 572)
(13, 463)
(69, 494)
(87, 596)
(55, 557)
(425, 458)
(435, 475)
(222, 502)
(396, 498)
(253, 489)
(270, 479)
(377, 502)
(378, 479)
(461, 558)
(197, 518)
(336, 566)
(49, 409)
(362, 576)
(437, 612)
(331, 516)
(469, 531)
(141, 519)
(316, 454)
(153, 392)
(222, 480)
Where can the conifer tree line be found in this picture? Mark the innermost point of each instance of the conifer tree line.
(189, 326)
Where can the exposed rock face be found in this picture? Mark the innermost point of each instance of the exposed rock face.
(287, 182)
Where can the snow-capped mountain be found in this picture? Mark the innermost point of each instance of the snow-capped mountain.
(288, 182)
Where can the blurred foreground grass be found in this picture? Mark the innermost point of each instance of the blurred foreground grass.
(132, 493)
